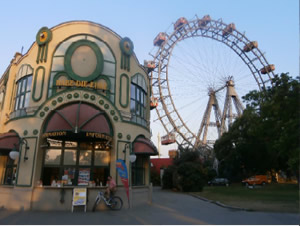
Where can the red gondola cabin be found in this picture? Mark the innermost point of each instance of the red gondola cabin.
(159, 39)
(181, 21)
(168, 139)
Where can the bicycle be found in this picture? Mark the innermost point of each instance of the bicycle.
(114, 202)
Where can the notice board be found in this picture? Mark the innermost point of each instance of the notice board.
(79, 197)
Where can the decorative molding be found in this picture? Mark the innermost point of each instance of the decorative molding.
(39, 80)
(126, 47)
(69, 53)
(122, 93)
(126, 115)
(43, 37)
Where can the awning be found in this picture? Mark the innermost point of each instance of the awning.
(79, 117)
(9, 140)
(144, 146)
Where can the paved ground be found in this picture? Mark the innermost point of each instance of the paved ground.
(167, 208)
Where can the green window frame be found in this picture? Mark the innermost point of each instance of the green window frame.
(22, 97)
(106, 65)
(138, 100)
(74, 161)
(99, 57)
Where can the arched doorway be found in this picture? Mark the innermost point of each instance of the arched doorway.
(77, 144)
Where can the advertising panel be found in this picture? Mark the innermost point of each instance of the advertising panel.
(83, 177)
(79, 196)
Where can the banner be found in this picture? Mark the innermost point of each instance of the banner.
(123, 173)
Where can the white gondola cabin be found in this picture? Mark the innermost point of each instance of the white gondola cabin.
(168, 139)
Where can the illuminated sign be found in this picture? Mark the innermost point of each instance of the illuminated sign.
(82, 84)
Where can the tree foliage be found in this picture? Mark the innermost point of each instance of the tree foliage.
(187, 173)
(266, 136)
(155, 177)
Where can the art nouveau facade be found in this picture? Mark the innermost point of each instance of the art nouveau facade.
(77, 101)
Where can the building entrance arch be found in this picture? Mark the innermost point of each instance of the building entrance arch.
(76, 146)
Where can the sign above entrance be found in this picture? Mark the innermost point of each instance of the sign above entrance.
(82, 84)
(70, 134)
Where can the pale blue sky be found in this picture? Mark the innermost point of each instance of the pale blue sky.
(273, 23)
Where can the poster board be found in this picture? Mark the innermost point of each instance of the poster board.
(83, 176)
(79, 198)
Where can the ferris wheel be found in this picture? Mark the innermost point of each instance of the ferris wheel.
(201, 69)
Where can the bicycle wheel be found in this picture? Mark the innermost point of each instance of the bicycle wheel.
(116, 203)
(95, 205)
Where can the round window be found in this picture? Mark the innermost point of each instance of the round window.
(84, 61)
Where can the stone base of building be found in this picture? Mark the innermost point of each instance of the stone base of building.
(60, 199)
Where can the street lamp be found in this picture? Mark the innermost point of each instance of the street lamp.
(132, 156)
(14, 154)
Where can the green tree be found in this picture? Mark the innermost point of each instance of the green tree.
(266, 136)
(187, 173)
(155, 177)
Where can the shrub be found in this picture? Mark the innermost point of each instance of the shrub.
(191, 176)
(155, 178)
(167, 180)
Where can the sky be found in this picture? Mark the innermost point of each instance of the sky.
(273, 23)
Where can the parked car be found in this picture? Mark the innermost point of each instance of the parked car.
(256, 180)
(219, 181)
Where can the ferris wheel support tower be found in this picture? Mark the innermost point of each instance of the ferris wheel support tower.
(220, 121)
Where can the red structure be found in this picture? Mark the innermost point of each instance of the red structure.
(160, 163)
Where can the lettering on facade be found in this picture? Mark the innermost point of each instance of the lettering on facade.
(55, 134)
(87, 134)
(98, 135)
(82, 84)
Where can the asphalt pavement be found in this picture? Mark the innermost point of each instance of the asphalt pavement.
(167, 208)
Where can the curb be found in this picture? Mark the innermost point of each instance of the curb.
(220, 204)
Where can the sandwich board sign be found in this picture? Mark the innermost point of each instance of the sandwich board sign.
(79, 198)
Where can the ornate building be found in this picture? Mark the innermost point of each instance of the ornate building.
(70, 107)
